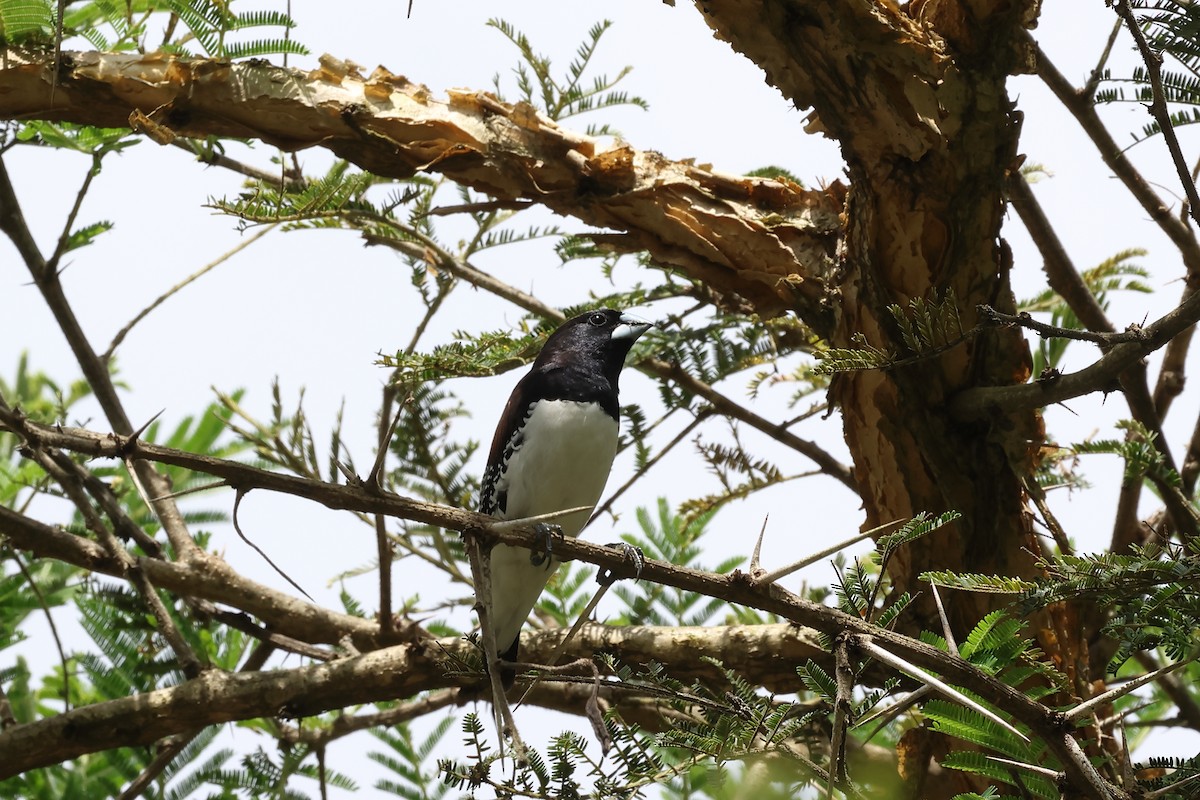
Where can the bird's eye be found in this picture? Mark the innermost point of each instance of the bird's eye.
(598, 319)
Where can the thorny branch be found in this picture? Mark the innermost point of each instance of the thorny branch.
(403, 670)
(1158, 105)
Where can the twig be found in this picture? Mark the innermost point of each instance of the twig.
(552, 662)
(383, 545)
(652, 366)
(237, 502)
(1060, 271)
(1025, 320)
(481, 574)
(1065, 279)
(1038, 496)
(345, 724)
(1100, 375)
(583, 617)
(876, 652)
(1086, 707)
(106, 356)
(700, 417)
(168, 751)
(1089, 89)
(782, 572)
(1081, 107)
(727, 407)
(1179, 692)
(65, 472)
(60, 248)
(242, 622)
(286, 179)
(842, 705)
(62, 653)
(95, 371)
(1171, 788)
(473, 208)
(1158, 105)
(404, 669)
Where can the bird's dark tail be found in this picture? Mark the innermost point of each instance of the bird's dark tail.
(508, 675)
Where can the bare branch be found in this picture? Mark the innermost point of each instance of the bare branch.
(1158, 105)
(762, 242)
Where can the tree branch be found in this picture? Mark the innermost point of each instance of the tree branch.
(1158, 105)
(1080, 106)
(1101, 375)
(762, 243)
(405, 670)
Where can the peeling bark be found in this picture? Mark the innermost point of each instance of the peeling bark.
(919, 106)
(765, 245)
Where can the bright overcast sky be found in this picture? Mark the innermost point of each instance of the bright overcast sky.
(315, 308)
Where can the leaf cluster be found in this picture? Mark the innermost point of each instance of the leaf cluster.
(1172, 29)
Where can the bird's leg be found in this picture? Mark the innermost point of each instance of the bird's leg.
(605, 576)
(549, 532)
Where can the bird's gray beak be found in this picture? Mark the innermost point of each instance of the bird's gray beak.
(630, 327)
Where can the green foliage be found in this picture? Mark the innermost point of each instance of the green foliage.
(1152, 592)
(678, 540)
(1119, 273)
(118, 26)
(406, 759)
(264, 774)
(928, 324)
(87, 139)
(776, 173)
(1172, 29)
(26, 21)
(920, 525)
(211, 23)
(1175, 777)
(569, 95)
(474, 355)
(927, 327)
(719, 727)
(1142, 459)
(999, 646)
(989, 584)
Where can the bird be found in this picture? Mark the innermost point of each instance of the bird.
(553, 450)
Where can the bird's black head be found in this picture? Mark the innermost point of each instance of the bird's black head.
(595, 341)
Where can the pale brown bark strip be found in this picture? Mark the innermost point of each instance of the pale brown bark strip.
(764, 244)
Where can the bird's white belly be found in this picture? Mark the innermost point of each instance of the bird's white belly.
(563, 462)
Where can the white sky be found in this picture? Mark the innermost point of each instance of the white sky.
(315, 308)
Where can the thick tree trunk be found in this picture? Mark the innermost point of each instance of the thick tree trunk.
(929, 136)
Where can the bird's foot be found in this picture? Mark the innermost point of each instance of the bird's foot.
(549, 533)
(605, 576)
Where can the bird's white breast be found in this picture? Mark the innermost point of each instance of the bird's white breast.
(562, 461)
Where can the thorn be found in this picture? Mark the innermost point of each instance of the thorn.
(351, 478)
(916, 673)
(756, 565)
(951, 645)
(381, 455)
(783, 572)
(237, 501)
(523, 522)
(193, 490)
(132, 438)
